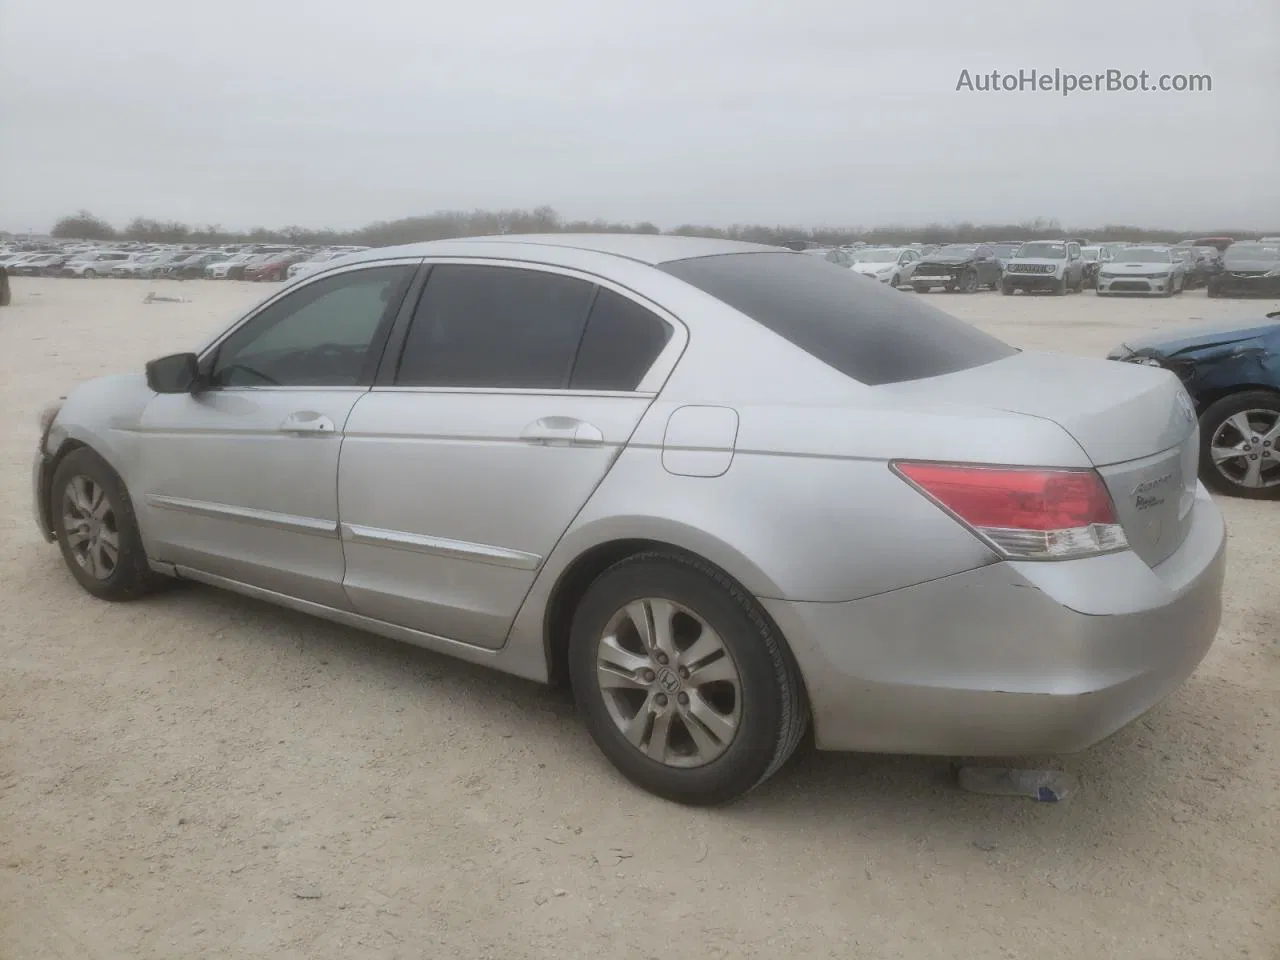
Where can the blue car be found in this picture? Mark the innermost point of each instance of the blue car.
(1233, 377)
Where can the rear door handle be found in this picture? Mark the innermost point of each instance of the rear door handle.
(562, 432)
(307, 422)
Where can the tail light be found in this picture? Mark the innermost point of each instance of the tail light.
(1024, 513)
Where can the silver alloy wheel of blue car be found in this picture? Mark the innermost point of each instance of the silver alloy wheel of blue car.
(1246, 449)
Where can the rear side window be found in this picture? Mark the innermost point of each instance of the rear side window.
(621, 342)
(498, 327)
(868, 332)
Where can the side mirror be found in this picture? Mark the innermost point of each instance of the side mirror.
(176, 373)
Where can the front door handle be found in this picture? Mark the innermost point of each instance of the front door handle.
(562, 432)
(307, 422)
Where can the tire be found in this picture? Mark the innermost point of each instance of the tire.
(6, 293)
(127, 576)
(1212, 291)
(1060, 287)
(920, 288)
(1167, 292)
(1006, 289)
(90, 274)
(768, 706)
(968, 282)
(1264, 404)
(896, 281)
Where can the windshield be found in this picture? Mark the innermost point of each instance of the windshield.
(865, 330)
(1040, 250)
(1005, 250)
(957, 250)
(1239, 252)
(1091, 253)
(877, 255)
(1146, 255)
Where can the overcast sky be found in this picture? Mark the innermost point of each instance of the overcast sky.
(804, 112)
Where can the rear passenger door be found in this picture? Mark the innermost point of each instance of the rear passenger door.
(498, 411)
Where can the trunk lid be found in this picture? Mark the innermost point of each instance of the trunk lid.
(1135, 422)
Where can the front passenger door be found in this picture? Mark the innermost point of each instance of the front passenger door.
(238, 480)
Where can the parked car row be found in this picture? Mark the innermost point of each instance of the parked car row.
(251, 262)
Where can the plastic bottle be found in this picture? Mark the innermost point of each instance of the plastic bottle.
(1047, 786)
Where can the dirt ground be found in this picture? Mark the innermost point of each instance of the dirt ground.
(198, 775)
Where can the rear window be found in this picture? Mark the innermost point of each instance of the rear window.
(866, 331)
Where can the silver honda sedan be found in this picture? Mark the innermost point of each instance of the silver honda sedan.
(723, 490)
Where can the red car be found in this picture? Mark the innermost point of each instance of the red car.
(275, 268)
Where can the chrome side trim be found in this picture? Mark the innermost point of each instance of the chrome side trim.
(439, 546)
(261, 518)
(532, 670)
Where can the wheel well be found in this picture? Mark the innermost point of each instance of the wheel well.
(570, 589)
(1207, 399)
(68, 447)
(577, 579)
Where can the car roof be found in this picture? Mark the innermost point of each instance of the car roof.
(652, 249)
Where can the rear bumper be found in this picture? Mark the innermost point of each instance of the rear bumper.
(1013, 658)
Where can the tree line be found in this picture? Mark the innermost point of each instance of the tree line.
(446, 224)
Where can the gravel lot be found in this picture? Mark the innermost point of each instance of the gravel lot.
(199, 775)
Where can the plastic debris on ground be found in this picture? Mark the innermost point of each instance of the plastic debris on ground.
(1047, 786)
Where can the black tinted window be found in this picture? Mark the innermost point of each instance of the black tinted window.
(621, 342)
(323, 334)
(864, 330)
(480, 326)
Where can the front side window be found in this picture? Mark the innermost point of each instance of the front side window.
(496, 327)
(322, 334)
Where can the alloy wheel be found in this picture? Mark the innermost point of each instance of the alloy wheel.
(669, 683)
(89, 521)
(1246, 448)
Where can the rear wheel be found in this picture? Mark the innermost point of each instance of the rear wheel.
(1240, 445)
(684, 685)
(94, 522)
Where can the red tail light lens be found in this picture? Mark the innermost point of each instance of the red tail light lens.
(1026, 514)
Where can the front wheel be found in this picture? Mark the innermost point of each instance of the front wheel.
(684, 685)
(1060, 287)
(1240, 445)
(1006, 288)
(896, 281)
(90, 273)
(96, 528)
(921, 287)
(969, 282)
